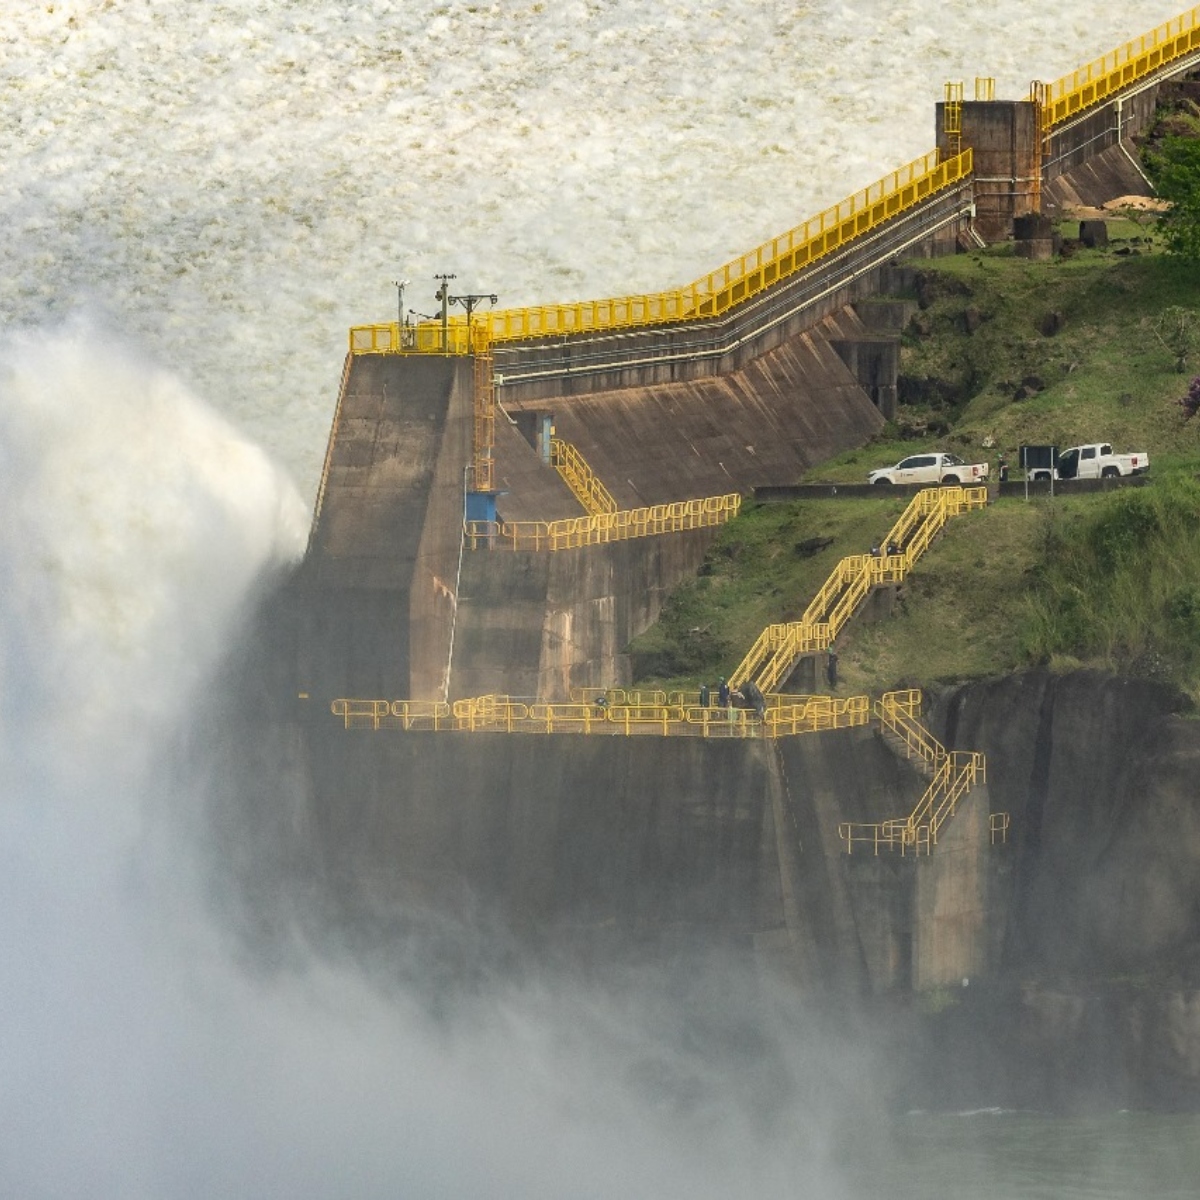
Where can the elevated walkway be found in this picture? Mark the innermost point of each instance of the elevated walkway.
(612, 712)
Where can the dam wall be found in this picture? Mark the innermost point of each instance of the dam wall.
(380, 571)
(538, 625)
(583, 363)
(767, 422)
(590, 841)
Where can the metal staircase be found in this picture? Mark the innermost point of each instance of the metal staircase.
(774, 655)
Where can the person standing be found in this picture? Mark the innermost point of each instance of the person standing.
(831, 669)
(722, 692)
(705, 697)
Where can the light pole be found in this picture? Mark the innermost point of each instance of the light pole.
(400, 285)
(443, 295)
(470, 301)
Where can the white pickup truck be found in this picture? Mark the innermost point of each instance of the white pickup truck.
(931, 468)
(1096, 461)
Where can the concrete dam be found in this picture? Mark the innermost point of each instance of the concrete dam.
(459, 575)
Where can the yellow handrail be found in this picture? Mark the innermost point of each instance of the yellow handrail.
(899, 713)
(711, 296)
(601, 528)
(785, 716)
(580, 478)
(771, 657)
(393, 714)
(954, 774)
(1118, 69)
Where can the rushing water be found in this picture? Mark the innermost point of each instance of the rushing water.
(236, 183)
(198, 199)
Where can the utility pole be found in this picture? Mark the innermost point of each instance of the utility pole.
(443, 295)
(471, 301)
(400, 285)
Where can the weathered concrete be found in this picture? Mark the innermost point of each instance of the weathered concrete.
(540, 624)
(1004, 140)
(794, 406)
(1100, 780)
(952, 910)
(1107, 176)
(383, 553)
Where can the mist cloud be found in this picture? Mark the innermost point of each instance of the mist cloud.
(144, 1052)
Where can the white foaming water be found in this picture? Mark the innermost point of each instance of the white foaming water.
(236, 183)
(232, 185)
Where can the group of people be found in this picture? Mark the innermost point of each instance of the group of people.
(749, 695)
(892, 548)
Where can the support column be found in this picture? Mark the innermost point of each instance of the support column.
(1005, 139)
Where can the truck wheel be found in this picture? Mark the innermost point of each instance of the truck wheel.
(885, 482)
(1109, 473)
(950, 481)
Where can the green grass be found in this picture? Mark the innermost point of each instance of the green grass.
(1108, 580)
(1109, 373)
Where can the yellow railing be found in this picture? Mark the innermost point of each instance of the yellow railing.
(954, 774)
(716, 293)
(580, 478)
(1118, 69)
(428, 337)
(601, 528)
(785, 716)
(393, 714)
(771, 657)
(998, 823)
(899, 714)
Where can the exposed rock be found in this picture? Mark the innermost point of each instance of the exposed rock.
(1030, 386)
(812, 545)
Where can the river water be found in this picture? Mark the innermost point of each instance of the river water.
(198, 199)
(1025, 1156)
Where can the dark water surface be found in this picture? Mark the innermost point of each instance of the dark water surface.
(996, 1155)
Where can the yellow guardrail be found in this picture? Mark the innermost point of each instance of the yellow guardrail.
(580, 478)
(601, 528)
(427, 337)
(954, 774)
(785, 716)
(899, 713)
(998, 823)
(1136, 60)
(393, 714)
(771, 657)
(711, 296)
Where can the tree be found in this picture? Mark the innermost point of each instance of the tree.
(1178, 329)
(1175, 169)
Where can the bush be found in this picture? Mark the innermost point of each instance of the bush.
(1175, 171)
(1122, 584)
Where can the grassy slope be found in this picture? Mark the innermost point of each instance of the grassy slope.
(987, 597)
